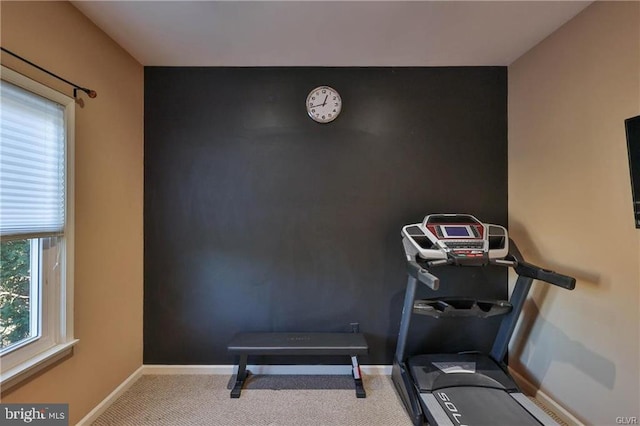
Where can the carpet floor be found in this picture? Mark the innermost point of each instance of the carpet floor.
(204, 400)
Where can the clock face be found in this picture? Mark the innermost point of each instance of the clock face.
(324, 104)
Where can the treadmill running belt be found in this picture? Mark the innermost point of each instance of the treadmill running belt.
(474, 406)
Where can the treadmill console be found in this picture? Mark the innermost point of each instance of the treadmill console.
(458, 239)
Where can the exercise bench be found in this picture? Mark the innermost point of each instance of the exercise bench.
(317, 344)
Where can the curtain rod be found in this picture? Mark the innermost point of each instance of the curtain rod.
(91, 93)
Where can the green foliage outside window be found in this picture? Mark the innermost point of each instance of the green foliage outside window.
(14, 291)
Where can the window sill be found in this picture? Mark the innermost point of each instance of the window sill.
(32, 366)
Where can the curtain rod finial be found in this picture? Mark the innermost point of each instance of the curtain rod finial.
(92, 93)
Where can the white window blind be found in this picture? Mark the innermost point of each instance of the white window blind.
(32, 153)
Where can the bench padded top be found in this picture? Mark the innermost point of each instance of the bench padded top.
(298, 344)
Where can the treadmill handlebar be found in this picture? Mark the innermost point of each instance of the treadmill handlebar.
(422, 275)
(439, 262)
(504, 262)
(528, 270)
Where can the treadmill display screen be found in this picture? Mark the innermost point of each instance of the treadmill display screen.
(457, 231)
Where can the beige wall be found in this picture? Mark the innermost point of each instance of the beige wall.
(109, 197)
(570, 209)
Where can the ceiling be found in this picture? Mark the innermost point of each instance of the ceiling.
(328, 33)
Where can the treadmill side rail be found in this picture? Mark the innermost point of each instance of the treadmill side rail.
(533, 409)
(440, 417)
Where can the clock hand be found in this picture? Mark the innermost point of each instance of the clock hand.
(322, 104)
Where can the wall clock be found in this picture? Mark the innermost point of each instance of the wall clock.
(324, 104)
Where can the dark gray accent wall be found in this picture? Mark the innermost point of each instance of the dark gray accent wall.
(259, 219)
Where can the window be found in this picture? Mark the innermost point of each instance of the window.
(36, 226)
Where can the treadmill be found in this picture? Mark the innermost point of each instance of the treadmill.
(466, 388)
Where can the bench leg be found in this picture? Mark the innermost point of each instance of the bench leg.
(357, 377)
(240, 377)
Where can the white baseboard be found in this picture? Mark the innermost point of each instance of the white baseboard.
(530, 389)
(110, 399)
(373, 370)
(187, 369)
